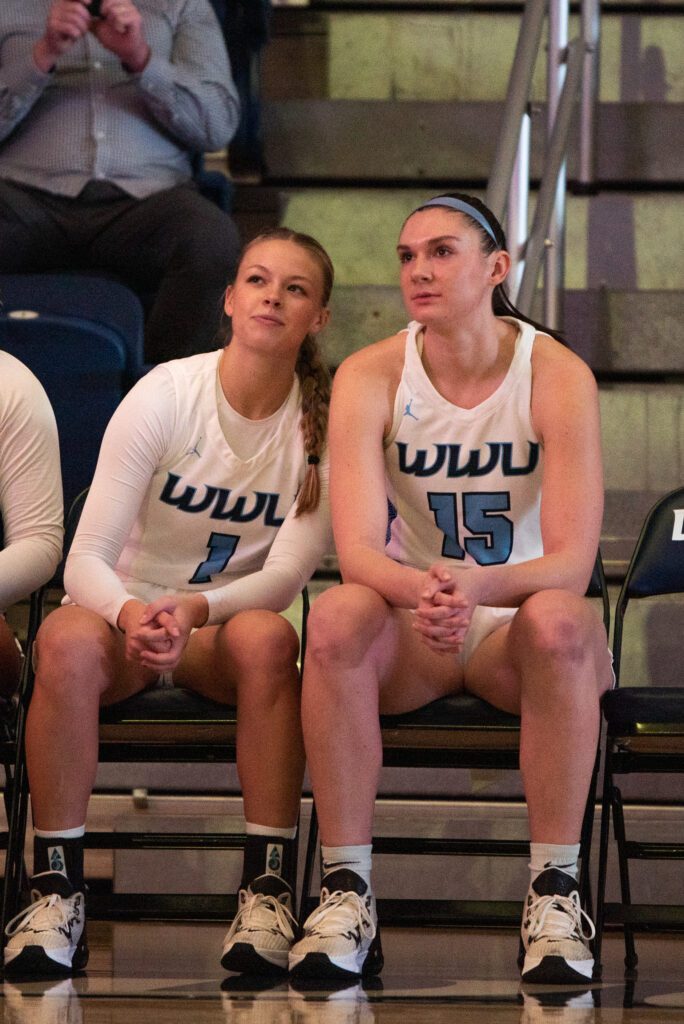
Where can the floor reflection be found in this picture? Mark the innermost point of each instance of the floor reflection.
(431, 977)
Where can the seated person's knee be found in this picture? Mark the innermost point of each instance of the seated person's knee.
(342, 623)
(554, 623)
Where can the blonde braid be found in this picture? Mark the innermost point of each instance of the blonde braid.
(314, 382)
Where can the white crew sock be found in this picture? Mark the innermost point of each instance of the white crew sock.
(552, 855)
(61, 833)
(353, 858)
(268, 830)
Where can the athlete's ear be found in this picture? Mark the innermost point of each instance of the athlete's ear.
(228, 301)
(501, 264)
(320, 321)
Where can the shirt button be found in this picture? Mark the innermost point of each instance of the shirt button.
(97, 65)
(99, 135)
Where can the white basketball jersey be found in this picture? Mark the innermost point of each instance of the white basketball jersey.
(464, 484)
(209, 517)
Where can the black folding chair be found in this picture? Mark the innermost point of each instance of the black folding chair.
(10, 711)
(171, 726)
(462, 731)
(645, 726)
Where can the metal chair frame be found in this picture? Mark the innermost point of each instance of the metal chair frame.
(638, 736)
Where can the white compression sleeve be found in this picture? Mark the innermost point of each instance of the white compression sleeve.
(134, 443)
(295, 555)
(30, 484)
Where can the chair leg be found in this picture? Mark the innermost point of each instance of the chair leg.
(603, 861)
(631, 958)
(586, 837)
(309, 863)
(15, 873)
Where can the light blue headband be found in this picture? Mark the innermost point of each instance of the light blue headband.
(461, 207)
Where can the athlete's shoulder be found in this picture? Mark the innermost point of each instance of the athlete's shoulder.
(378, 361)
(190, 368)
(554, 361)
(15, 373)
(21, 391)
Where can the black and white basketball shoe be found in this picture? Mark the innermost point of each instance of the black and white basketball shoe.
(49, 936)
(341, 937)
(555, 932)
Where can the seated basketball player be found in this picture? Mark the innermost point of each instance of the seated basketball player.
(483, 432)
(30, 500)
(206, 517)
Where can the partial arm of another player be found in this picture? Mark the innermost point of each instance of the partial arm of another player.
(30, 488)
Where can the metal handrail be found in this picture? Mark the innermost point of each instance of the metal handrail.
(573, 72)
(517, 100)
(555, 157)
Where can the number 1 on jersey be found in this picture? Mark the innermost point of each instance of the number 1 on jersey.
(221, 549)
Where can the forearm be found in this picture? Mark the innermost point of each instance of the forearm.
(270, 589)
(27, 565)
(202, 115)
(91, 583)
(400, 585)
(21, 85)
(295, 555)
(507, 586)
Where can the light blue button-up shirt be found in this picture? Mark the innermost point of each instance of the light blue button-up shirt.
(89, 119)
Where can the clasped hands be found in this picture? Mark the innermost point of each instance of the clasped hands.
(445, 608)
(119, 29)
(156, 634)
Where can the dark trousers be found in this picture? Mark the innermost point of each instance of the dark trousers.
(175, 244)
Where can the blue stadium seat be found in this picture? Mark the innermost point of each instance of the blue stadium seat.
(82, 337)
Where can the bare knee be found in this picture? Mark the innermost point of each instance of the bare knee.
(71, 652)
(343, 623)
(555, 625)
(259, 643)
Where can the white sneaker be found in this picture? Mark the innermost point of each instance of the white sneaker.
(48, 937)
(341, 936)
(555, 941)
(260, 937)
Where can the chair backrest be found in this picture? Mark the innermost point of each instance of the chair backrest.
(82, 338)
(657, 563)
(598, 588)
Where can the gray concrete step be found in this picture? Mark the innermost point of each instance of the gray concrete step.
(619, 333)
(367, 140)
(463, 54)
(406, 94)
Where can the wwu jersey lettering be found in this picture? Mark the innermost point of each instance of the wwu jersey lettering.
(454, 460)
(216, 501)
